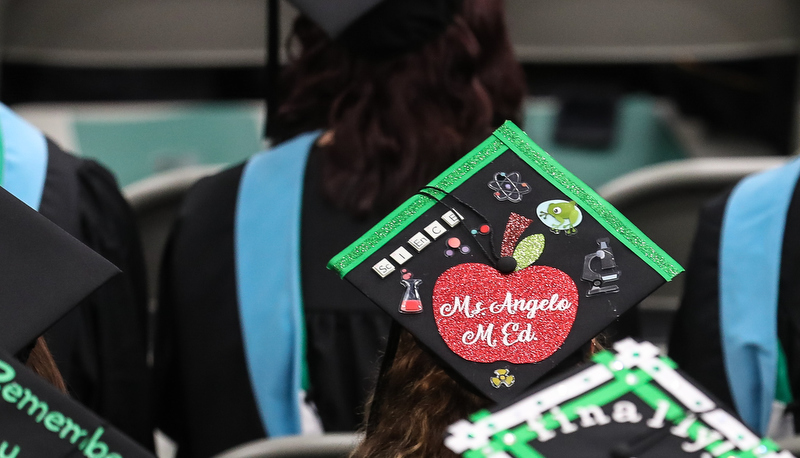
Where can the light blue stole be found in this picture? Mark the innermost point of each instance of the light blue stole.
(24, 158)
(267, 243)
(750, 261)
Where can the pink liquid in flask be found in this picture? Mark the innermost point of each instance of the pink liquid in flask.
(411, 306)
(411, 302)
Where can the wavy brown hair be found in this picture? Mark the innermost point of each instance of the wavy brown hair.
(417, 400)
(398, 122)
(41, 361)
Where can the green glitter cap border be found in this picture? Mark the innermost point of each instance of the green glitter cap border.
(509, 136)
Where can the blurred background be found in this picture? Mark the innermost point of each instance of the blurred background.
(657, 104)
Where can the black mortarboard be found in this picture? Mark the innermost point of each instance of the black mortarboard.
(334, 17)
(44, 272)
(38, 421)
(380, 28)
(631, 402)
(505, 265)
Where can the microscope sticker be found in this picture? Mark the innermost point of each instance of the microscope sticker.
(560, 215)
(502, 377)
(508, 186)
(411, 303)
(600, 269)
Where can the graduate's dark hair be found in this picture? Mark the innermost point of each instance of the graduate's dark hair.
(41, 362)
(398, 122)
(417, 401)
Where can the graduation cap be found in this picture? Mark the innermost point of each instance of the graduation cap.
(505, 265)
(38, 421)
(334, 17)
(45, 272)
(631, 402)
(380, 28)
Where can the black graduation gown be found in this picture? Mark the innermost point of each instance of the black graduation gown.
(100, 346)
(205, 399)
(696, 342)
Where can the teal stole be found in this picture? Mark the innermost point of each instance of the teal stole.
(750, 260)
(23, 158)
(267, 252)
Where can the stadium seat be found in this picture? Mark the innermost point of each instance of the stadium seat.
(647, 31)
(138, 139)
(155, 201)
(663, 200)
(337, 445)
(137, 33)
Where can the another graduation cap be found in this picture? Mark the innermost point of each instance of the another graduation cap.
(334, 17)
(45, 272)
(505, 264)
(631, 402)
(38, 421)
(380, 28)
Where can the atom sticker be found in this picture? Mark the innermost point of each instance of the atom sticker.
(508, 186)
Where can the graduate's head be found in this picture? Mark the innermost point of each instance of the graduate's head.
(402, 116)
(504, 268)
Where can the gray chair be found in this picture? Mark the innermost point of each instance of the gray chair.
(663, 201)
(155, 202)
(338, 445)
(138, 33)
(630, 31)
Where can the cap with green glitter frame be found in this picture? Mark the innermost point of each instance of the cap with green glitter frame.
(630, 402)
(505, 264)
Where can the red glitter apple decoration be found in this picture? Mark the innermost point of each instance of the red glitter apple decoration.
(484, 315)
(521, 317)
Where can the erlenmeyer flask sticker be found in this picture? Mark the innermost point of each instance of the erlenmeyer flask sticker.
(411, 302)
